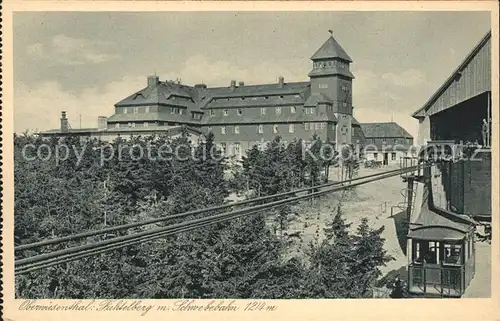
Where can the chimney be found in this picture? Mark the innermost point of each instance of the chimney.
(241, 83)
(64, 123)
(153, 81)
(200, 86)
(281, 81)
(102, 123)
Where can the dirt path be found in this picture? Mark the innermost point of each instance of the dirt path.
(372, 200)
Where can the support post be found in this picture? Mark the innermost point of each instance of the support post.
(409, 197)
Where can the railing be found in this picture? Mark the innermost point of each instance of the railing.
(436, 280)
(408, 161)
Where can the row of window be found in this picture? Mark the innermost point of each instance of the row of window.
(330, 63)
(134, 110)
(276, 128)
(251, 98)
(437, 252)
(239, 111)
(263, 110)
(236, 148)
(130, 125)
(393, 156)
(325, 86)
(278, 110)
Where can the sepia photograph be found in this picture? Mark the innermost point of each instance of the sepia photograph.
(259, 155)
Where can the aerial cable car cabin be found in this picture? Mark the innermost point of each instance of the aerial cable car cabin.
(449, 200)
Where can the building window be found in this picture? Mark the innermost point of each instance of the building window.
(306, 126)
(237, 149)
(306, 110)
(375, 156)
(293, 109)
(291, 128)
(278, 110)
(125, 109)
(453, 254)
(223, 130)
(261, 129)
(275, 129)
(240, 111)
(393, 156)
(344, 104)
(117, 125)
(146, 109)
(136, 110)
(226, 112)
(212, 112)
(313, 110)
(145, 124)
(210, 129)
(262, 111)
(129, 124)
(181, 111)
(323, 86)
(236, 129)
(322, 125)
(223, 147)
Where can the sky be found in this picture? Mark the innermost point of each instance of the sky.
(85, 62)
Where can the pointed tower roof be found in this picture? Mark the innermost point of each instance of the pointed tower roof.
(331, 49)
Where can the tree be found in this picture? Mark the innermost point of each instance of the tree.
(367, 257)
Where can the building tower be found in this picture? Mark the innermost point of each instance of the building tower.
(331, 82)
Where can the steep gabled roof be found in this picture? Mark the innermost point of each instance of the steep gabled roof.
(381, 130)
(259, 90)
(161, 93)
(331, 49)
(421, 111)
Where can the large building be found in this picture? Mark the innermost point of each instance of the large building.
(240, 115)
(386, 142)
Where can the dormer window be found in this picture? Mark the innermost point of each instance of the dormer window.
(125, 109)
(136, 110)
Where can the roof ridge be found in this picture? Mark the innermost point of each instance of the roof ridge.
(447, 82)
